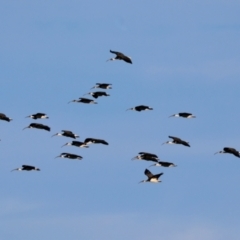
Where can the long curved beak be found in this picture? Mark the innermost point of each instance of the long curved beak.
(64, 144)
(134, 158)
(26, 127)
(54, 134)
(153, 165)
(86, 93)
(15, 169)
(164, 143)
(128, 109)
(172, 115)
(71, 101)
(142, 181)
(57, 156)
(216, 153)
(27, 116)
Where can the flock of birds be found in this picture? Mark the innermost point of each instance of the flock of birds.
(154, 178)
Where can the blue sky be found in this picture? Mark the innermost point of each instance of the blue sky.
(185, 59)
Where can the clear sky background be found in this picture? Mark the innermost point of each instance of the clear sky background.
(185, 59)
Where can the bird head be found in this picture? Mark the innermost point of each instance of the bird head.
(66, 144)
(27, 127)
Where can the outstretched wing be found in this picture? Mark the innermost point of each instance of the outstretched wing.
(148, 173)
(117, 53)
(175, 138)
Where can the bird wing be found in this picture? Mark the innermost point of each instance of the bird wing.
(40, 114)
(101, 141)
(87, 140)
(185, 143)
(45, 127)
(175, 138)
(27, 167)
(150, 154)
(184, 114)
(148, 173)
(157, 175)
(2, 115)
(67, 132)
(117, 53)
(126, 59)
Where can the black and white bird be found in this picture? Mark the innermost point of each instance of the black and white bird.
(94, 140)
(164, 164)
(103, 85)
(147, 153)
(76, 144)
(184, 115)
(152, 177)
(38, 126)
(66, 133)
(177, 140)
(84, 100)
(38, 116)
(231, 151)
(120, 56)
(26, 168)
(140, 108)
(147, 157)
(69, 156)
(4, 117)
(98, 94)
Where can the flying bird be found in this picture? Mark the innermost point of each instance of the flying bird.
(26, 168)
(140, 108)
(151, 177)
(84, 100)
(94, 140)
(38, 116)
(120, 56)
(164, 164)
(76, 144)
(103, 86)
(231, 151)
(177, 140)
(98, 94)
(38, 126)
(146, 153)
(4, 117)
(66, 133)
(184, 115)
(147, 157)
(69, 156)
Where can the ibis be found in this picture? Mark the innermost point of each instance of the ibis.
(94, 140)
(164, 164)
(38, 116)
(66, 133)
(231, 151)
(98, 94)
(154, 178)
(140, 108)
(38, 126)
(26, 168)
(84, 100)
(184, 115)
(150, 154)
(177, 140)
(103, 85)
(69, 156)
(120, 56)
(4, 117)
(147, 157)
(76, 144)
